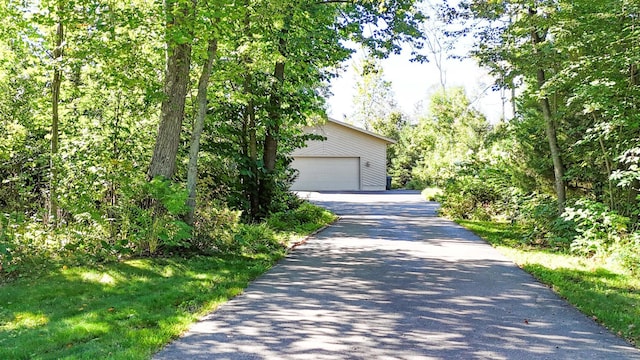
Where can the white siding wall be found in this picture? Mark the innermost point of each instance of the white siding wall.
(345, 142)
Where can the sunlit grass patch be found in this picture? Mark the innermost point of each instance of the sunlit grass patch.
(601, 290)
(83, 313)
(129, 310)
(24, 320)
(101, 278)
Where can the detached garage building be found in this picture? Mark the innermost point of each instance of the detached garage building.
(350, 159)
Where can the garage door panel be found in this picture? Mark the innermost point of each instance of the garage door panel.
(327, 173)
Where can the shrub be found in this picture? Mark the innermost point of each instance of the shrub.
(597, 227)
(215, 228)
(415, 184)
(256, 238)
(627, 253)
(26, 242)
(432, 194)
(306, 213)
(219, 229)
(284, 200)
(538, 215)
(152, 220)
(456, 205)
(468, 197)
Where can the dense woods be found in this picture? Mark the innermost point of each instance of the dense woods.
(132, 128)
(565, 167)
(576, 129)
(138, 127)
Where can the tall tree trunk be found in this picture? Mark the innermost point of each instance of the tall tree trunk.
(251, 179)
(558, 167)
(270, 147)
(432, 41)
(273, 128)
(176, 82)
(252, 148)
(55, 120)
(201, 98)
(514, 107)
(550, 128)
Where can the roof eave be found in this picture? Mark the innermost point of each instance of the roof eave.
(388, 140)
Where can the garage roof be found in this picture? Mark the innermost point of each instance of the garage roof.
(390, 141)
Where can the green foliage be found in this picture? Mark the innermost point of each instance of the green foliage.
(304, 218)
(538, 215)
(485, 191)
(469, 198)
(27, 243)
(432, 194)
(562, 56)
(218, 229)
(111, 64)
(373, 102)
(429, 153)
(598, 228)
(482, 189)
(587, 228)
(172, 196)
(627, 253)
(629, 176)
(257, 238)
(160, 225)
(273, 234)
(591, 86)
(215, 228)
(91, 236)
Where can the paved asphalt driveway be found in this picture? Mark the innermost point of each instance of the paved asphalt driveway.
(390, 280)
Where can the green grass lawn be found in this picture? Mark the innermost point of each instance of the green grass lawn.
(608, 294)
(125, 310)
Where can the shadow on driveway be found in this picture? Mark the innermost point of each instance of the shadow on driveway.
(392, 281)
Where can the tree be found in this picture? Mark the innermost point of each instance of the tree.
(579, 74)
(198, 126)
(436, 43)
(78, 124)
(516, 33)
(289, 64)
(55, 117)
(538, 37)
(392, 127)
(25, 114)
(374, 99)
(179, 23)
(451, 134)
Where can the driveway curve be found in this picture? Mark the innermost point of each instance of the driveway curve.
(391, 280)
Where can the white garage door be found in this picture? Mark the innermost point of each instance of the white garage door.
(327, 173)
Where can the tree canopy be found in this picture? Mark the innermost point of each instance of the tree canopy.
(110, 107)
